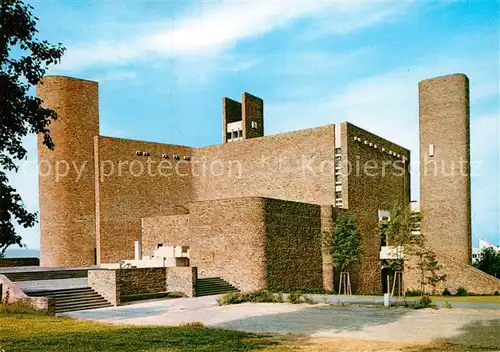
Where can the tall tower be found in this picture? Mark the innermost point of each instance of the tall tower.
(243, 120)
(66, 174)
(445, 202)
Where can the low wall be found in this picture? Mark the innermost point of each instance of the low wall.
(16, 294)
(141, 280)
(112, 284)
(10, 262)
(458, 275)
(103, 281)
(182, 280)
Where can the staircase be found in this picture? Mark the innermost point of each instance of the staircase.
(46, 275)
(213, 286)
(69, 300)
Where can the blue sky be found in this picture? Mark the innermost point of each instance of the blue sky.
(163, 67)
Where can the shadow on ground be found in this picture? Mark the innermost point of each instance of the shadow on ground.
(477, 336)
(315, 319)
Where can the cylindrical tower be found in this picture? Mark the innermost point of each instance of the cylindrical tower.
(445, 203)
(66, 174)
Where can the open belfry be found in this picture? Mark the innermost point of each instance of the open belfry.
(254, 209)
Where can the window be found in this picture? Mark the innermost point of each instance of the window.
(159, 245)
(240, 133)
(235, 134)
(338, 194)
(228, 135)
(254, 125)
(431, 149)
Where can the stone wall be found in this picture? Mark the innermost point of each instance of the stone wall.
(10, 262)
(170, 230)
(113, 284)
(292, 166)
(445, 204)
(293, 249)
(66, 177)
(103, 281)
(16, 294)
(131, 187)
(373, 180)
(141, 280)
(458, 275)
(228, 240)
(182, 280)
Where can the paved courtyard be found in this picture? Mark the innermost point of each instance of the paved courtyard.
(319, 321)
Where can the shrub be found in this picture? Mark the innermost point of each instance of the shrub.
(447, 305)
(413, 293)
(446, 292)
(262, 296)
(231, 298)
(425, 302)
(295, 297)
(461, 291)
(496, 293)
(193, 324)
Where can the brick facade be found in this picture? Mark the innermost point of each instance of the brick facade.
(445, 203)
(67, 206)
(229, 203)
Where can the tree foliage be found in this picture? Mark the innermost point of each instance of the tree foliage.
(24, 60)
(400, 232)
(429, 269)
(345, 244)
(489, 261)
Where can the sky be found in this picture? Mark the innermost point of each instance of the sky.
(163, 67)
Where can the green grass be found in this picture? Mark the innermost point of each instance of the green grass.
(488, 299)
(27, 332)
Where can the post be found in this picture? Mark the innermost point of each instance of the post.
(137, 250)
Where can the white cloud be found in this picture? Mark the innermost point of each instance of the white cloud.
(217, 26)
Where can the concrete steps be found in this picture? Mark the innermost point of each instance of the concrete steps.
(213, 286)
(69, 300)
(46, 275)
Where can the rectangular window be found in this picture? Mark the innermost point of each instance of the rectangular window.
(235, 134)
(240, 133)
(431, 149)
(159, 245)
(228, 135)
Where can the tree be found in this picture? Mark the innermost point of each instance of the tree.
(429, 269)
(23, 62)
(401, 232)
(489, 261)
(345, 243)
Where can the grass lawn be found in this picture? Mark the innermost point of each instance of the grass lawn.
(489, 299)
(28, 332)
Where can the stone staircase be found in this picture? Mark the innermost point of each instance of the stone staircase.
(69, 300)
(213, 286)
(46, 275)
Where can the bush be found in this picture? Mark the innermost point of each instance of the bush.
(263, 296)
(20, 307)
(447, 305)
(446, 292)
(193, 324)
(425, 302)
(231, 298)
(461, 291)
(496, 293)
(413, 293)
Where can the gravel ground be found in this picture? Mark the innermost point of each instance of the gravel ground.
(321, 321)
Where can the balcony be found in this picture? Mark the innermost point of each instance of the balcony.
(392, 252)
